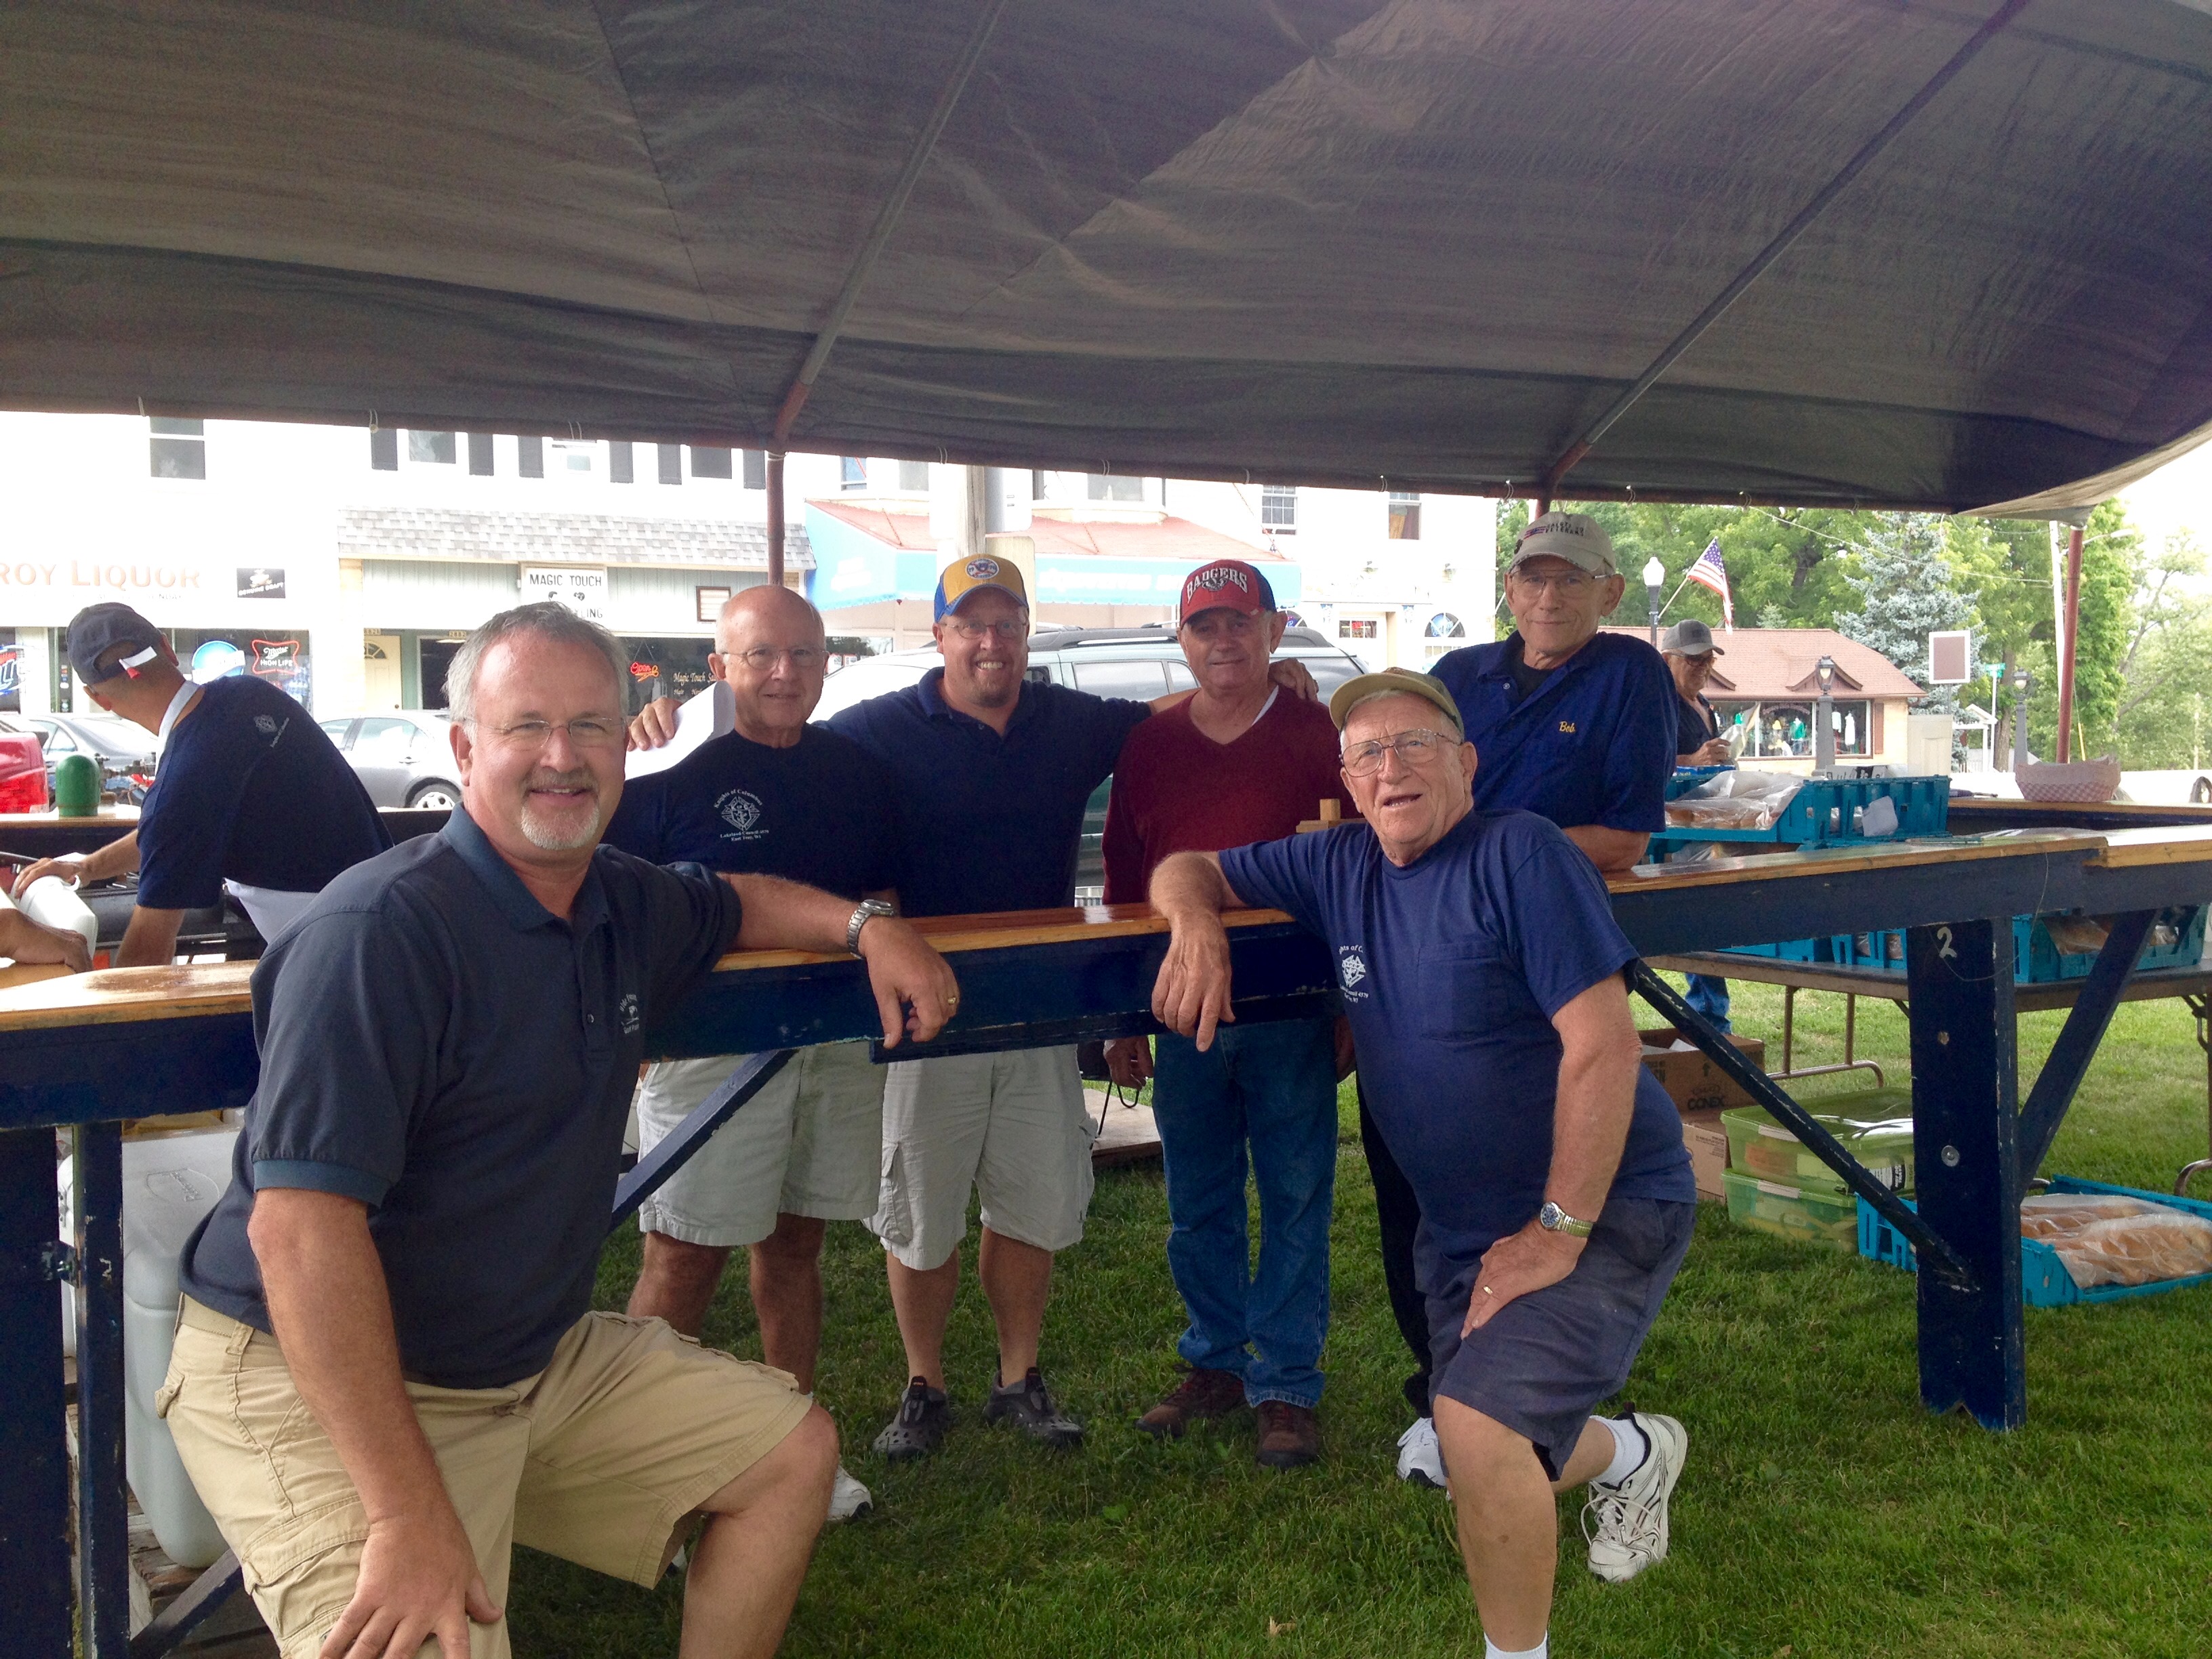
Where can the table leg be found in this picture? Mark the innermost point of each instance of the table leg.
(34, 1562)
(1850, 1023)
(1788, 1023)
(1966, 1130)
(103, 1540)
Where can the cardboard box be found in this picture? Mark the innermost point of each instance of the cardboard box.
(1693, 1083)
(1709, 1151)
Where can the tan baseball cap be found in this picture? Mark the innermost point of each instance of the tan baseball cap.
(1575, 536)
(1393, 682)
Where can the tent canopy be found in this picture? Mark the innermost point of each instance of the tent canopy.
(1425, 241)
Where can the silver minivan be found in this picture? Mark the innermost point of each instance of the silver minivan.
(1142, 663)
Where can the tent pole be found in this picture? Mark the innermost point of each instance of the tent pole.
(1774, 249)
(774, 518)
(887, 218)
(2066, 654)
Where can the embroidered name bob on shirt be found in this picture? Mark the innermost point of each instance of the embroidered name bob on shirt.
(1566, 725)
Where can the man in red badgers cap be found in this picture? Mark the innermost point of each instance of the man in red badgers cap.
(1238, 762)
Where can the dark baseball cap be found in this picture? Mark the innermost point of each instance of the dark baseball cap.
(99, 628)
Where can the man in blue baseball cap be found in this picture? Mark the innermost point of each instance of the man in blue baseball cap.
(251, 797)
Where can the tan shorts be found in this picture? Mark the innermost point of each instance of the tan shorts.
(809, 1142)
(1010, 1127)
(598, 1459)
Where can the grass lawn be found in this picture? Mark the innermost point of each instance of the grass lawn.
(1822, 1513)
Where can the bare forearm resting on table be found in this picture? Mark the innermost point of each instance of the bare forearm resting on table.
(1612, 850)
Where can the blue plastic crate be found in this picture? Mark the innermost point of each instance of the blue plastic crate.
(1794, 950)
(2036, 958)
(1827, 812)
(2044, 1281)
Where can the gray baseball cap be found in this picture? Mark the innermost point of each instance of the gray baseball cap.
(1575, 536)
(99, 628)
(1690, 638)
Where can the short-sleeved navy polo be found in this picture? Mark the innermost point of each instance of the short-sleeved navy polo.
(823, 810)
(437, 1044)
(1594, 743)
(1451, 969)
(991, 823)
(250, 789)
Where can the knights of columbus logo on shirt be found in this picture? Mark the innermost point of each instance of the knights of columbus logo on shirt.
(741, 810)
(1352, 971)
(627, 1009)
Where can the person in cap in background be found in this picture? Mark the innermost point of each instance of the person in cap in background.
(1691, 656)
(1690, 653)
(993, 772)
(1480, 966)
(1577, 725)
(773, 797)
(1239, 761)
(251, 797)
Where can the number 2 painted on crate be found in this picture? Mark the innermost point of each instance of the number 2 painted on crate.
(1943, 945)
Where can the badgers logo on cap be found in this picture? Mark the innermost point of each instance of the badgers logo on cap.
(982, 570)
(1220, 576)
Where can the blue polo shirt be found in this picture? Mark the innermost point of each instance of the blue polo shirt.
(991, 823)
(824, 812)
(1450, 970)
(250, 789)
(1594, 743)
(437, 1044)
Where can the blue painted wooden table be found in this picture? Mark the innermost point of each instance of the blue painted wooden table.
(89, 1051)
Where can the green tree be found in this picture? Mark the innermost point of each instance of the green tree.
(2168, 664)
(1906, 591)
(2004, 567)
(2111, 552)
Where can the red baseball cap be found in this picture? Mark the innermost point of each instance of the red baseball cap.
(1229, 583)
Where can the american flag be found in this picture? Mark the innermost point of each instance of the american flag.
(1709, 572)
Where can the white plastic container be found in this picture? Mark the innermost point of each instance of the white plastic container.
(53, 902)
(169, 1184)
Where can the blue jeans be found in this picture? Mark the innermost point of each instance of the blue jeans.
(1273, 1086)
(1709, 996)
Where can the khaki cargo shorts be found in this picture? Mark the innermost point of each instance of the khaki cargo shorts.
(598, 1459)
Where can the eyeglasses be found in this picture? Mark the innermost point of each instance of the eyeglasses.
(762, 659)
(1566, 582)
(587, 732)
(1416, 747)
(1014, 629)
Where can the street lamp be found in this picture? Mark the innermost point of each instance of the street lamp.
(1824, 721)
(1654, 574)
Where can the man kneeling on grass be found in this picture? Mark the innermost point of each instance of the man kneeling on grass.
(1480, 966)
(386, 1373)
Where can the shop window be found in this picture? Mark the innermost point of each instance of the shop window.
(709, 462)
(384, 449)
(852, 472)
(529, 457)
(1780, 730)
(1113, 487)
(479, 454)
(914, 475)
(435, 448)
(1278, 509)
(756, 468)
(621, 465)
(671, 464)
(11, 672)
(1405, 516)
(178, 446)
(1359, 627)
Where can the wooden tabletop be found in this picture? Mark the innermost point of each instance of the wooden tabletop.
(2144, 986)
(121, 817)
(1878, 855)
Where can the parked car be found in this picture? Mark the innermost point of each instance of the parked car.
(1143, 663)
(404, 759)
(124, 750)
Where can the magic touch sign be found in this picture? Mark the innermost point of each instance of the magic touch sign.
(582, 588)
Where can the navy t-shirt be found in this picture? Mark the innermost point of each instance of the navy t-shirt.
(437, 1044)
(1592, 743)
(1451, 970)
(991, 823)
(249, 787)
(824, 812)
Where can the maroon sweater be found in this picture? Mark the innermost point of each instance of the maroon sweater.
(1176, 790)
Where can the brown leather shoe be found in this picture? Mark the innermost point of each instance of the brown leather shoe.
(1201, 1393)
(1289, 1436)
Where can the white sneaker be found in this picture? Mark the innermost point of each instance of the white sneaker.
(848, 1498)
(1631, 1531)
(1420, 1460)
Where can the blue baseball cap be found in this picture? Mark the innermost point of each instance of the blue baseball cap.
(965, 576)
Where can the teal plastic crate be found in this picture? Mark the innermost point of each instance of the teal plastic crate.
(1792, 950)
(2044, 1281)
(2037, 959)
(1826, 812)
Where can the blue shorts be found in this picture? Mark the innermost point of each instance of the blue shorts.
(1543, 1364)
